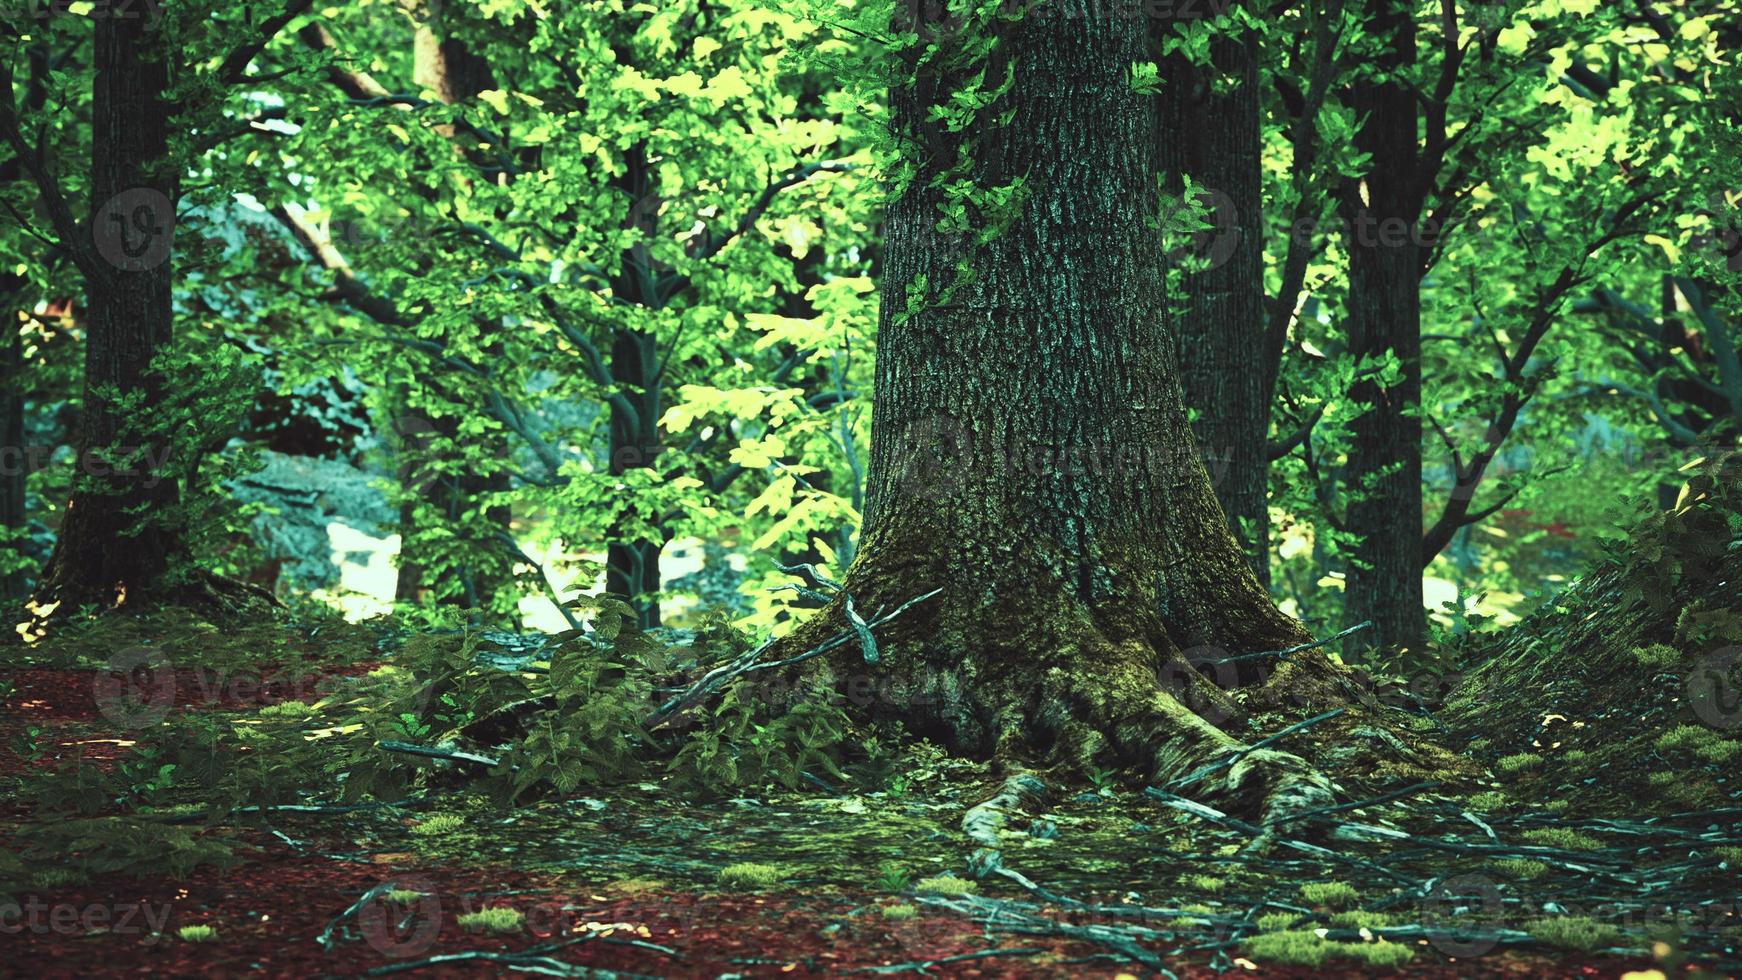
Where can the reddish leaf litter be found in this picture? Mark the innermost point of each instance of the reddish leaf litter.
(88, 713)
(50, 694)
(270, 915)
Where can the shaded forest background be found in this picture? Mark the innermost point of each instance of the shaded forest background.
(473, 307)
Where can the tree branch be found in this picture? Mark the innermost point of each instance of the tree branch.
(230, 71)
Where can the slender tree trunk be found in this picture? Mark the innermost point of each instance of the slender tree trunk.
(636, 540)
(119, 539)
(1210, 131)
(632, 560)
(14, 460)
(1384, 317)
(447, 67)
(14, 454)
(1031, 455)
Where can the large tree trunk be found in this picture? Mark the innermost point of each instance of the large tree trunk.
(1031, 455)
(1383, 478)
(119, 539)
(1210, 131)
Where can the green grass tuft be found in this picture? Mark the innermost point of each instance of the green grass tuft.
(1489, 800)
(441, 823)
(1561, 837)
(1275, 921)
(196, 934)
(898, 912)
(1329, 894)
(496, 919)
(748, 876)
(1575, 932)
(945, 884)
(1702, 742)
(1291, 947)
(1657, 656)
(1379, 955)
(1208, 884)
(1512, 765)
(1523, 869)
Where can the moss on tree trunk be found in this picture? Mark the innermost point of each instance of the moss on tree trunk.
(1031, 454)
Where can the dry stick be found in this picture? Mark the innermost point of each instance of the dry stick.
(1235, 756)
(326, 936)
(431, 752)
(1121, 939)
(714, 679)
(920, 966)
(1304, 646)
(526, 962)
(1362, 804)
(1216, 816)
(405, 804)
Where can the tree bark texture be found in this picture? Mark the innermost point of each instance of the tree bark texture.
(1383, 477)
(1210, 131)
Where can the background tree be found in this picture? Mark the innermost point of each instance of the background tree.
(1210, 134)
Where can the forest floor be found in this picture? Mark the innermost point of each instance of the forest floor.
(112, 871)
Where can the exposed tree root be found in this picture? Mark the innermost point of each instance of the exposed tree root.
(1089, 695)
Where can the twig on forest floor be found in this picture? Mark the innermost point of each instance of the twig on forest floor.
(920, 966)
(1012, 917)
(326, 936)
(1327, 641)
(1467, 815)
(1245, 750)
(432, 752)
(1216, 816)
(748, 663)
(308, 808)
(529, 960)
(1395, 794)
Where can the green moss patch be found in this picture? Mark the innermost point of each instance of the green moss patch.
(749, 876)
(1329, 895)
